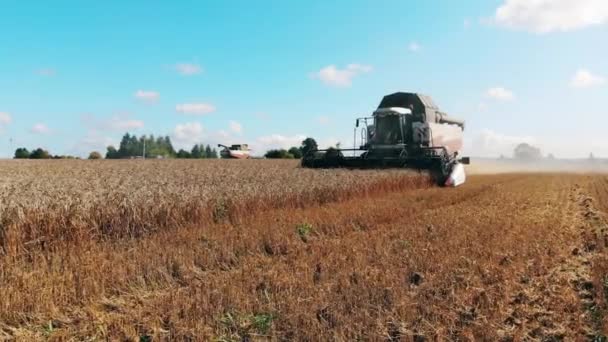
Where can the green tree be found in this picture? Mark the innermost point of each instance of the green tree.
(214, 154)
(95, 155)
(168, 146)
(22, 153)
(183, 154)
(308, 144)
(197, 151)
(208, 152)
(40, 153)
(123, 148)
(296, 152)
(112, 153)
(132, 146)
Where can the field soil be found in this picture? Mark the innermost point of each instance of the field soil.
(510, 257)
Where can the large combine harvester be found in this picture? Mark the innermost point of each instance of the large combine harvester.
(406, 131)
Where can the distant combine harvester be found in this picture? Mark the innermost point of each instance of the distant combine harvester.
(238, 151)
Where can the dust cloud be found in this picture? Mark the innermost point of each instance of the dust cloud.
(496, 166)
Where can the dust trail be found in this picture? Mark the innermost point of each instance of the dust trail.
(497, 166)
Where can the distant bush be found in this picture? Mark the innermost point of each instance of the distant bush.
(279, 154)
(40, 153)
(183, 154)
(95, 155)
(64, 157)
(527, 152)
(22, 153)
(296, 152)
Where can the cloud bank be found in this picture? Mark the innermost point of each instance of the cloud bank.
(544, 16)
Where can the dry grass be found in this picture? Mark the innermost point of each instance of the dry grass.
(46, 202)
(385, 257)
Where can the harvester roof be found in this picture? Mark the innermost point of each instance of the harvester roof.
(417, 102)
(420, 105)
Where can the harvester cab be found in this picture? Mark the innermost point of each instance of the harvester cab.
(406, 130)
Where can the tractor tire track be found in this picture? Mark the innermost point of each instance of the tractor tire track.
(530, 315)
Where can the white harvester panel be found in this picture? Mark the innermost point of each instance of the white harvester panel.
(457, 176)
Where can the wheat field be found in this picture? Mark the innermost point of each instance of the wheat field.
(42, 202)
(264, 250)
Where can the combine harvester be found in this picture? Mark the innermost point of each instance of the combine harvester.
(238, 151)
(406, 131)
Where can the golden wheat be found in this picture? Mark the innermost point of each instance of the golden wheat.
(385, 257)
(41, 202)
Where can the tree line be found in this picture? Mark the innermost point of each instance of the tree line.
(39, 153)
(132, 146)
(198, 151)
(308, 144)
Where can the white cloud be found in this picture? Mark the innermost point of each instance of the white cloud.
(188, 134)
(93, 141)
(466, 23)
(333, 142)
(195, 108)
(235, 127)
(500, 93)
(99, 130)
(482, 107)
(414, 47)
(273, 141)
(5, 119)
(544, 16)
(585, 79)
(489, 143)
(47, 72)
(323, 120)
(147, 95)
(120, 122)
(125, 125)
(222, 134)
(188, 69)
(40, 128)
(333, 76)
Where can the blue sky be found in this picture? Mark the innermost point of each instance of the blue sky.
(75, 76)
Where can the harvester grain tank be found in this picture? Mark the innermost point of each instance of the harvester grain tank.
(237, 151)
(406, 130)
